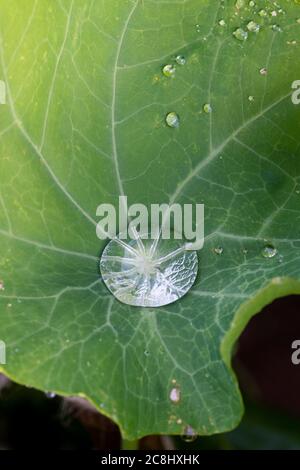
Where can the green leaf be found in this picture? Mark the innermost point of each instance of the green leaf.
(84, 121)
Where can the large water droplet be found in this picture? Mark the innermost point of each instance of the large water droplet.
(240, 34)
(169, 70)
(148, 274)
(189, 435)
(172, 119)
(269, 251)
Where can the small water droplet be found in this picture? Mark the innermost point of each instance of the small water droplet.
(207, 108)
(262, 13)
(269, 251)
(222, 23)
(253, 27)
(169, 70)
(172, 119)
(251, 98)
(251, 4)
(276, 28)
(175, 395)
(189, 434)
(146, 352)
(180, 59)
(218, 250)
(240, 34)
(50, 394)
(263, 71)
(198, 28)
(239, 4)
(245, 251)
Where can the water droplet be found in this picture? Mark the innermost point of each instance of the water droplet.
(240, 34)
(198, 28)
(207, 108)
(263, 71)
(180, 59)
(146, 352)
(2, 285)
(276, 28)
(172, 119)
(222, 23)
(274, 13)
(218, 250)
(189, 434)
(253, 27)
(142, 273)
(169, 70)
(239, 4)
(175, 395)
(245, 251)
(50, 394)
(179, 421)
(251, 4)
(262, 13)
(9, 305)
(251, 98)
(269, 251)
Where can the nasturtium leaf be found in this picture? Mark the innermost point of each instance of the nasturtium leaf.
(85, 121)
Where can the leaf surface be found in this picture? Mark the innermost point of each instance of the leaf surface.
(85, 122)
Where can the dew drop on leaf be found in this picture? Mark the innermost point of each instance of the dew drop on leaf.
(240, 3)
(251, 4)
(269, 251)
(263, 71)
(207, 108)
(180, 59)
(262, 13)
(240, 34)
(189, 435)
(222, 23)
(250, 98)
(169, 70)
(172, 119)
(175, 395)
(276, 28)
(50, 394)
(253, 27)
(218, 250)
(145, 273)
